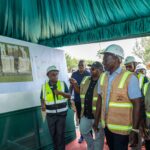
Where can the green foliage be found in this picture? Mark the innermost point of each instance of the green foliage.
(99, 55)
(16, 78)
(145, 42)
(142, 49)
(72, 63)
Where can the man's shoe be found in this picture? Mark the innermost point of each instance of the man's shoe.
(80, 140)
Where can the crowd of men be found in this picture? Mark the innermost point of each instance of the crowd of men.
(112, 101)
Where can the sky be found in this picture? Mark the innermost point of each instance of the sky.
(89, 51)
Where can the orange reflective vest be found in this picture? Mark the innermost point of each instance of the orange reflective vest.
(118, 118)
(83, 89)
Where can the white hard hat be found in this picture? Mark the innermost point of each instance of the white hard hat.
(140, 66)
(51, 68)
(114, 49)
(129, 59)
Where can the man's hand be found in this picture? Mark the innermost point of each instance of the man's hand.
(43, 106)
(66, 95)
(57, 92)
(136, 121)
(74, 84)
(133, 138)
(72, 81)
(73, 106)
(145, 131)
(95, 127)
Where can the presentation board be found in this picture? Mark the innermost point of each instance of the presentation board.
(33, 61)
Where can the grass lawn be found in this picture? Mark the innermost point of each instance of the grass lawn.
(16, 78)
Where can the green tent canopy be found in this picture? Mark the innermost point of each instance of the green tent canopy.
(58, 23)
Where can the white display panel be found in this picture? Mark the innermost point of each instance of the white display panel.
(22, 94)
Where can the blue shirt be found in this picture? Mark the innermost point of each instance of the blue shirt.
(78, 77)
(133, 87)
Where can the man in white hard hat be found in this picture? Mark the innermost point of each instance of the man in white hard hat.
(141, 73)
(130, 63)
(119, 101)
(146, 129)
(144, 85)
(54, 97)
(141, 68)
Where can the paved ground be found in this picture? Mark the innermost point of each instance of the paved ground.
(76, 146)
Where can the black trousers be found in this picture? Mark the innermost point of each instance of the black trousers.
(116, 141)
(147, 144)
(56, 124)
(78, 108)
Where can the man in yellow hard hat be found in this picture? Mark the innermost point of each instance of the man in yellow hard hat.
(54, 97)
(119, 101)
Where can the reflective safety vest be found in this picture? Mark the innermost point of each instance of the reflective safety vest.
(146, 92)
(141, 80)
(118, 117)
(83, 89)
(57, 104)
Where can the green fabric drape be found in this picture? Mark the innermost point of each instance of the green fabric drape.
(26, 130)
(69, 22)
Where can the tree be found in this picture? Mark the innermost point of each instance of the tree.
(89, 62)
(71, 62)
(142, 49)
(99, 55)
(145, 42)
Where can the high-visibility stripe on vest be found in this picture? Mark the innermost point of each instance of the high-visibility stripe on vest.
(141, 80)
(145, 88)
(119, 127)
(83, 89)
(148, 115)
(147, 101)
(123, 105)
(54, 104)
(118, 118)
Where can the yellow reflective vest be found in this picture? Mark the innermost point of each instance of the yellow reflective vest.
(141, 80)
(55, 104)
(118, 117)
(146, 92)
